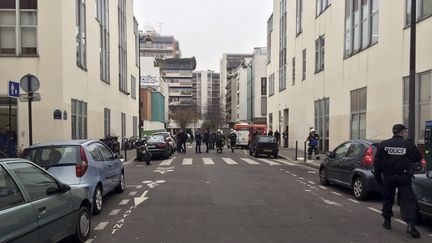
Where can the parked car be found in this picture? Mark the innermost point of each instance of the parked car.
(36, 207)
(263, 144)
(81, 163)
(422, 186)
(172, 141)
(158, 145)
(350, 165)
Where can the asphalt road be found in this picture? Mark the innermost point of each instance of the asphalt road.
(232, 197)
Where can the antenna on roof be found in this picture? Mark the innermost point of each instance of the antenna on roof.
(160, 27)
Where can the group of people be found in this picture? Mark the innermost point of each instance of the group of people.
(182, 137)
(212, 139)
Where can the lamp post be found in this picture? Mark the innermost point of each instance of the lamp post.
(412, 73)
(141, 119)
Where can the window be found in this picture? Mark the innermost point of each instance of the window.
(106, 152)
(10, 195)
(282, 46)
(269, 40)
(79, 119)
(37, 183)
(95, 152)
(423, 102)
(304, 65)
(361, 25)
(263, 86)
(321, 6)
(358, 113)
(107, 122)
(271, 85)
(342, 150)
(136, 33)
(81, 41)
(293, 71)
(103, 18)
(18, 27)
(299, 17)
(270, 121)
(322, 121)
(135, 126)
(123, 126)
(122, 46)
(282, 78)
(424, 10)
(133, 87)
(319, 54)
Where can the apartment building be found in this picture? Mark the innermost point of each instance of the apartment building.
(159, 46)
(205, 91)
(86, 61)
(257, 87)
(240, 85)
(342, 67)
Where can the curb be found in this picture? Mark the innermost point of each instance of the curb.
(312, 165)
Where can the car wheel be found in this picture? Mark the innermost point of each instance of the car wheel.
(323, 177)
(122, 184)
(83, 225)
(275, 156)
(250, 152)
(256, 154)
(97, 200)
(359, 190)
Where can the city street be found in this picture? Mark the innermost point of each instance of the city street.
(233, 197)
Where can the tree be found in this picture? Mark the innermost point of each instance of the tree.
(184, 116)
(214, 117)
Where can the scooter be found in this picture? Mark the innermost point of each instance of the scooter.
(142, 152)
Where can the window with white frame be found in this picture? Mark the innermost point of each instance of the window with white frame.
(107, 122)
(319, 54)
(103, 19)
(269, 33)
(358, 113)
(422, 102)
(123, 126)
(321, 6)
(293, 71)
(18, 27)
(122, 46)
(133, 87)
(81, 37)
(299, 17)
(263, 86)
(271, 85)
(282, 45)
(282, 78)
(424, 10)
(270, 121)
(304, 65)
(79, 119)
(361, 25)
(136, 33)
(135, 126)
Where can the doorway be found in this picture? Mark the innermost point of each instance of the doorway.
(8, 127)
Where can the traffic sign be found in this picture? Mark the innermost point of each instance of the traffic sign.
(25, 97)
(31, 85)
(14, 89)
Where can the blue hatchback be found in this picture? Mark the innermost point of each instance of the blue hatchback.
(88, 164)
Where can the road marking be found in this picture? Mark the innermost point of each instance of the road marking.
(331, 202)
(307, 190)
(268, 162)
(244, 151)
(187, 161)
(294, 175)
(132, 193)
(338, 194)
(311, 182)
(249, 161)
(430, 234)
(101, 226)
(208, 161)
(323, 187)
(284, 162)
(400, 221)
(354, 201)
(124, 202)
(374, 209)
(312, 172)
(230, 161)
(139, 186)
(301, 178)
(300, 158)
(89, 241)
(166, 162)
(288, 172)
(114, 212)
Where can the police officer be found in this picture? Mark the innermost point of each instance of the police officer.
(396, 159)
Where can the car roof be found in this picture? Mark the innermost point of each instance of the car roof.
(5, 161)
(368, 141)
(63, 143)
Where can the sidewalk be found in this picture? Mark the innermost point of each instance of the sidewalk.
(130, 156)
(289, 154)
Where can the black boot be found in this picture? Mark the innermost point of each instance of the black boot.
(387, 223)
(411, 229)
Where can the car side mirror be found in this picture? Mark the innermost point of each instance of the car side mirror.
(329, 154)
(117, 156)
(64, 188)
(429, 174)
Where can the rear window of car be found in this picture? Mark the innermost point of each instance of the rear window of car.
(53, 155)
(165, 135)
(269, 139)
(158, 138)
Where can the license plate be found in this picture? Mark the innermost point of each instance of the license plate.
(152, 146)
(267, 150)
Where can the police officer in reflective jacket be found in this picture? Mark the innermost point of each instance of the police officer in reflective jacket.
(395, 162)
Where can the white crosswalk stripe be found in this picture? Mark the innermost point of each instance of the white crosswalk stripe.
(187, 161)
(208, 161)
(166, 162)
(268, 162)
(230, 161)
(249, 161)
(284, 162)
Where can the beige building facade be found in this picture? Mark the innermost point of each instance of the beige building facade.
(84, 53)
(340, 67)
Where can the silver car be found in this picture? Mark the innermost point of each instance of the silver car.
(36, 207)
(88, 164)
(170, 138)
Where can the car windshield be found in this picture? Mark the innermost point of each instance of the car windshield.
(267, 139)
(53, 155)
(157, 139)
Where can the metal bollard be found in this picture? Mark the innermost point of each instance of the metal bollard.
(296, 151)
(125, 150)
(305, 152)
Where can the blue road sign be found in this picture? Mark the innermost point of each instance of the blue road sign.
(14, 88)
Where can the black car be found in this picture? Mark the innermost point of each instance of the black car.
(158, 145)
(350, 165)
(422, 186)
(264, 145)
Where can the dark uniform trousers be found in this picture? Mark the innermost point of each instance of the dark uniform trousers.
(405, 193)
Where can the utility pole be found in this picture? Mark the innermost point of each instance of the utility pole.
(412, 74)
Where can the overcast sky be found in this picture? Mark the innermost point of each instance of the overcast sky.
(208, 28)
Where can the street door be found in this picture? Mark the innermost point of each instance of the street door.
(334, 164)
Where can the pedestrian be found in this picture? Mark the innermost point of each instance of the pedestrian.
(270, 133)
(179, 141)
(394, 165)
(198, 139)
(277, 136)
(184, 137)
(233, 140)
(313, 139)
(213, 140)
(206, 140)
(285, 136)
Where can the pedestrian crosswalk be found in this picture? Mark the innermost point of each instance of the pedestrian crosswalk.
(227, 161)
